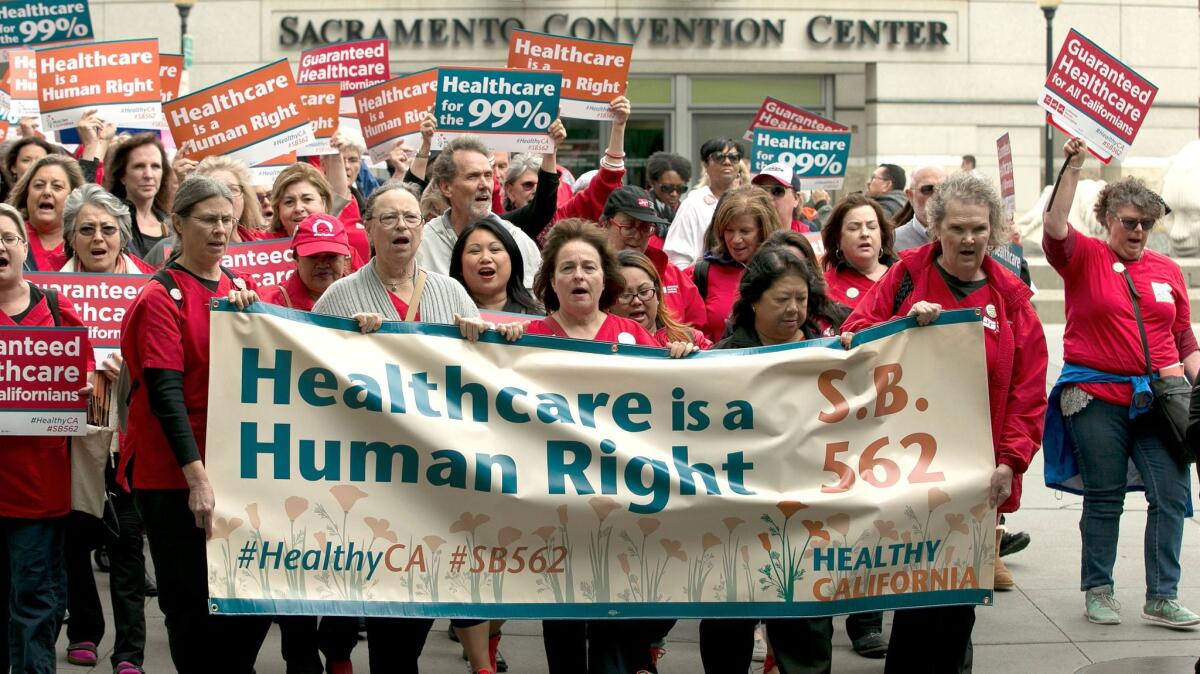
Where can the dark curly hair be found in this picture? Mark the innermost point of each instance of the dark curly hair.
(564, 232)
(819, 303)
(831, 233)
(1128, 191)
(768, 265)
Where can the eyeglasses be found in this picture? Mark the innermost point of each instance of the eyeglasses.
(527, 185)
(235, 190)
(211, 221)
(1132, 223)
(644, 295)
(263, 198)
(668, 189)
(637, 226)
(11, 240)
(722, 157)
(392, 220)
(927, 190)
(88, 231)
(775, 191)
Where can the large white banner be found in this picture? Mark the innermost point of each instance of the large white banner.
(411, 473)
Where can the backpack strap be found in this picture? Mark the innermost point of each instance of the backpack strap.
(700, 277)
(52, 304)
(902, 293)
(167, 281)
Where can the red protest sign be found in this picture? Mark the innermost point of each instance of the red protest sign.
(120, 79)
(353, 65)
(170, 74)
(268, 262)
(21, 82)
(776, 114)
(1091, 94)
(41, 371)
(101, 300)
(252, 117)
(1008, 184)
(392, 110)
(594, 72)
(320, 103)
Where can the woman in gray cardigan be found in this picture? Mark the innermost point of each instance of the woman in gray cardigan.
(392, 287)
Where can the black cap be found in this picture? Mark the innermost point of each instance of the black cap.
(634, 202)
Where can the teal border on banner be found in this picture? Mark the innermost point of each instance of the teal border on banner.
(871, 334)
(518, 611)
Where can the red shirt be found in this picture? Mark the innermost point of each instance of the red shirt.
(615, 329)
(291, 294)
(844, 285)
(45, 260)
(402, 308)
(157, 333)
(723, 280)
(356, 234)
(703, 343)
(1101, 331)
(1014, 344)
(35, 478)
(679, 292)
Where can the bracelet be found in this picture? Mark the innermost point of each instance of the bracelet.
(613, 165)
(614, 156)
(1075, 168)
(421, 156)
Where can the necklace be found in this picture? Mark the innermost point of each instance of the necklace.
(393, 286)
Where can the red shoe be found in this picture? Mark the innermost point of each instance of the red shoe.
(82, 653)
(493, 648)
(769, 664)
(339, 667)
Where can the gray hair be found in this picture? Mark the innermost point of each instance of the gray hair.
(10, 212)
(519, 164)
(91, 194)
(444, 168)
(969, 189)
(196, 188)
(1128, 191)
(392, 186)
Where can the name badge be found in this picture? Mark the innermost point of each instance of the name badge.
(1162, 292)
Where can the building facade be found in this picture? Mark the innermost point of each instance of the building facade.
(917, 82)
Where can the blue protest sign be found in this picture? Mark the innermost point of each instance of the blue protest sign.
(509, 109)
(818, 157)
(36, 23)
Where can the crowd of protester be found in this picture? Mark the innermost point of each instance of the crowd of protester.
(723, 262)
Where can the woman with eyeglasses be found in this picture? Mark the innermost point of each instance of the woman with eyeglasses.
(35, 483)
(96, 234)
(642, 301)
(166, 334)
(1128, 318)
(684, 243)
(667, 177)
(858, 248)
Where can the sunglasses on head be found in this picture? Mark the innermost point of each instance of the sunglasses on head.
(721, 157)
(1132, 223)
(677, 189)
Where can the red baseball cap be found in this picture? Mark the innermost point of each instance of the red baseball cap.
(320, 233)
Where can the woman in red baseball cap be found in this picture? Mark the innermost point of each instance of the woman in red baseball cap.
(322, 254)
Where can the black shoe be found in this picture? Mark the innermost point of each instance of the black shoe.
(151, 586)
(501, 663)
(871, 646)
(454, 637)
(100, 556)
(1013, 543)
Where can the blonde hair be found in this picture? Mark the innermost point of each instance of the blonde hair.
(297, 173)
(251, 215)
(738, 201)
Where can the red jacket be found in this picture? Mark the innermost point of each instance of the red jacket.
(724, 277)
(679, 292)
(1016, 376)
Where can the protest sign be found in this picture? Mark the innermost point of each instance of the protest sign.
(508, 109)
(776, 114)
(571, 479)
(20, 81)
(101, 300)
(268, 262)
(170, 74)
(252, 117)
(593, 72)
(34, 23)
(353, 65)
(265, 173)
(1008, 183)
(41, 372)
(818, 157)
(320, 103)
(1091, 94)
(118, 79)
(391, 112)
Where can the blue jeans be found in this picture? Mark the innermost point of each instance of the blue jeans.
(33, 585)
(1105, 440)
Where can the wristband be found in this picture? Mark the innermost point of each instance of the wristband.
(421, 156)
(614, 156)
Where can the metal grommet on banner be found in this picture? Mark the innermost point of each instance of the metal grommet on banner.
(1119, 267)
(213, 608)
(176, 294)
(614, 348)
(978, 312)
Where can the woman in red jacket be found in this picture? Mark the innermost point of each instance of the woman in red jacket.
(165, 335)
(745, 217)
(858, 248)
(35, 484)
(956, 272)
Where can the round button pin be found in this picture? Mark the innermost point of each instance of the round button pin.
(1119, 267)
(626, 338)
(990, 310)
(176, 295)
(852, 292)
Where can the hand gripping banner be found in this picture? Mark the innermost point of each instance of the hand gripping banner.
(412, 473)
